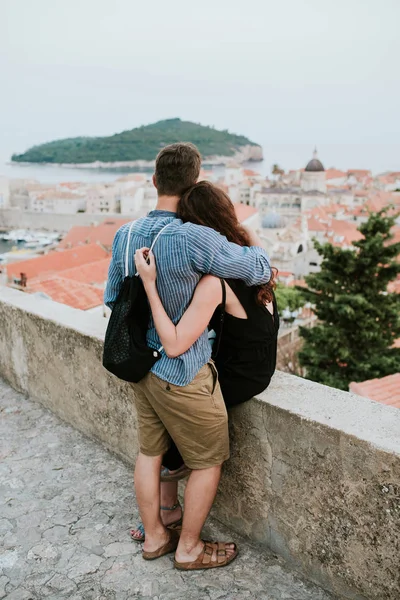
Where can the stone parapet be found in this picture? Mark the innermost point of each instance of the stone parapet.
(314, 472)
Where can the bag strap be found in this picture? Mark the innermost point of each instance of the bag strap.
(158, 235)
(127, 249)
(221, 319)
(154, 241)
(128, 243)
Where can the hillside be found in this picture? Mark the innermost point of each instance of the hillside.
(140, 144)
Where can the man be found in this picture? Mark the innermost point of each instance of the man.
(181, 396)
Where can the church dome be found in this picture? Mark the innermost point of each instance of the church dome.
(272, 221)
(315, 164)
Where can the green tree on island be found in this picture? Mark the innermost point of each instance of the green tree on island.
(141, 143)
(359, 320)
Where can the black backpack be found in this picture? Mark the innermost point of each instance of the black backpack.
(126, 353)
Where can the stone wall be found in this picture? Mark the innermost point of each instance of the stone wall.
(15, 218)
(314, 472)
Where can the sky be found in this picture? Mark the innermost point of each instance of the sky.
(290, 74)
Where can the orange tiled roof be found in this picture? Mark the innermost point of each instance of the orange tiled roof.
(103, 234)
(394, 286)
(66, 291)
(91, 273)
(339, 188)
(346, 229)
(359, 172)
(59, 195)
(243, 211)
(56, 261)
(385, 390)
(285, 274)
(334, 174)
(333, 228)
(72, 185)
(250, 173)
(315, 225)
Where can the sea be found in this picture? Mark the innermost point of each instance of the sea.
(376, 157)
(8, 246)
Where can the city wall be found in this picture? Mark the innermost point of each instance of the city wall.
(15, 218)
(314, 472)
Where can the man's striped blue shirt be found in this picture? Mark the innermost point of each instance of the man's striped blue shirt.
(183, 253)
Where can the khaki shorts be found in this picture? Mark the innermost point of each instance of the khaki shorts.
(194, 416)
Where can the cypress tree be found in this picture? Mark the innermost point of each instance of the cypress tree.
(358, 319)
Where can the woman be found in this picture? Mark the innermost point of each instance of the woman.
(245, 320)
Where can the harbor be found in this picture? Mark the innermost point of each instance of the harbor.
(19, 244)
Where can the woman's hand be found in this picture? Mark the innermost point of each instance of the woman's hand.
(146, 265)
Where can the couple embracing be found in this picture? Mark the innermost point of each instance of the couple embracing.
(206, 272)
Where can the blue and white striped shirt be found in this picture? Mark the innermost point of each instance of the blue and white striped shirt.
(183, 252)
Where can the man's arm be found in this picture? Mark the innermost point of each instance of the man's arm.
(210, 252)
(115, 277)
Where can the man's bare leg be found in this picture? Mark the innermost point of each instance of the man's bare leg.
(147, 486)
(199, 497)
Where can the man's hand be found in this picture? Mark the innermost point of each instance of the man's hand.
(146, 265)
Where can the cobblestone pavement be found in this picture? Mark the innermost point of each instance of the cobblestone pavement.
(66, 508)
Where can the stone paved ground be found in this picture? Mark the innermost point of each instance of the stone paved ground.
(66, 507)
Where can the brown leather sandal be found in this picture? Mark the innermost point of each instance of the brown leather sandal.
(174, 525)
(170, 546)
(205, 559)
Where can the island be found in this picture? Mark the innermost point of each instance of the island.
(139, 147)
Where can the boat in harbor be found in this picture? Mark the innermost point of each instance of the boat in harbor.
(31, 237)
(39, 243)
(16, 235)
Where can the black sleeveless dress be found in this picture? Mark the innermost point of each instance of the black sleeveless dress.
(246, 357)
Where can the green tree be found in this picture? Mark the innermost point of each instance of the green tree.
(359, 320)
(288, 298)
(276, 170)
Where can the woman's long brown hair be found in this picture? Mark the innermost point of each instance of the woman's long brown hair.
(206, 204)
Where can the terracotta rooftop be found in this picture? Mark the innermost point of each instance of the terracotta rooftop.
(250, 173)
(339, 188)
(319, 220)
(103, 234)
(91, 273)
(315, 225)
(244, 212)
(385, 390)
(94, 273)
(66, 291)
(346, 229)
(56, 261)
(359, 172)
(72, 185)
(394, 286)
(334, 174)
(59, 195)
